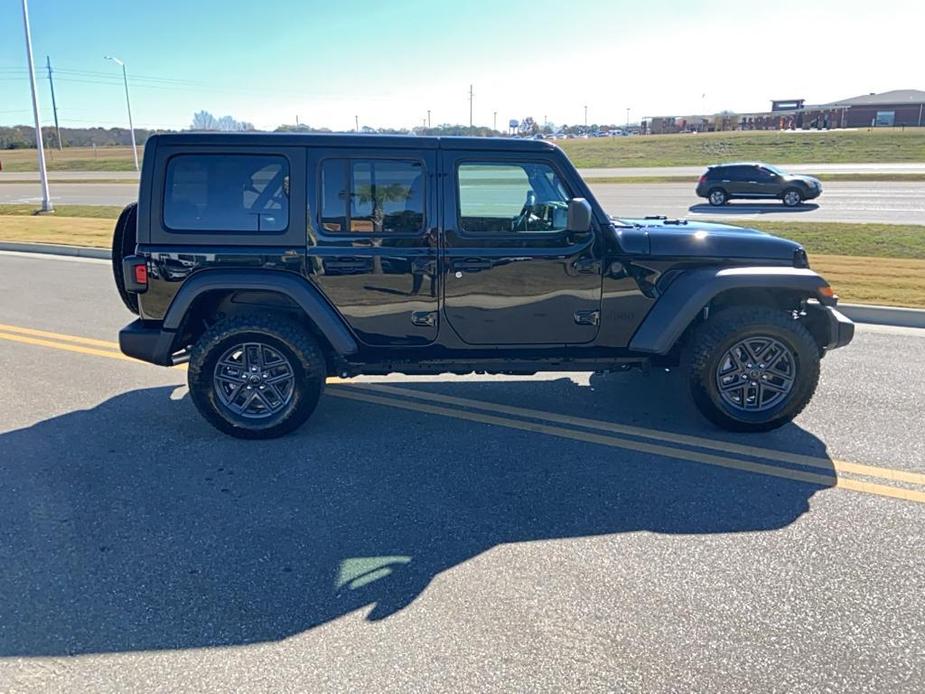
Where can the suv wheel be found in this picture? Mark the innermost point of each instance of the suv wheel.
(718, 197)
(256, 377)
(792, 197)
(752, 368)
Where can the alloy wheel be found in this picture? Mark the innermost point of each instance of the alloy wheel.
(253, 380)
(755, 374)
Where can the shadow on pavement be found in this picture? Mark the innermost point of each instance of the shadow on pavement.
(750, 208)
(134, 526)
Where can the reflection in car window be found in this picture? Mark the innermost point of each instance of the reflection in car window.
(511, 198)
(372, 196)
(227, 192)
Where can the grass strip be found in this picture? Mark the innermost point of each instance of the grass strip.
(866, 263)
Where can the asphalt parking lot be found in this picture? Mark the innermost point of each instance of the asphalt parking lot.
(551, 533)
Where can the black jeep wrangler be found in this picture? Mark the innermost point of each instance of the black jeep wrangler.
(270, 262)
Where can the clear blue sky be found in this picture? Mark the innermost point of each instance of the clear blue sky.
(389, 62)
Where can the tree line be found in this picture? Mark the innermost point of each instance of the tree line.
(23, 136)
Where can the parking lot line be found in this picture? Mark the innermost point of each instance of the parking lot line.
(374, 393)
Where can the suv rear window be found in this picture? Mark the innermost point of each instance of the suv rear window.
(227, 192)
(371, 196)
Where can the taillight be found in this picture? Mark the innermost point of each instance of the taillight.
(135, 274)
(701, 180)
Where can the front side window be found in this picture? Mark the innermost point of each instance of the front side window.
(511, 198)
(372, 196)
(227, 192)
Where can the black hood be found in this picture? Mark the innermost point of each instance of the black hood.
(684, 238)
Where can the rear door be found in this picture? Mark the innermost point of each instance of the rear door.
(513, 274)
(372, 240)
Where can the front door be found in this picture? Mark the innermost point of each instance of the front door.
(513, 273)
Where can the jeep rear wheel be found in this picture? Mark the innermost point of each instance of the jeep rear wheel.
(123, 244)
(256, 377)
(752, 368)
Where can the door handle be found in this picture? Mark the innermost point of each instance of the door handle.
(471, 265)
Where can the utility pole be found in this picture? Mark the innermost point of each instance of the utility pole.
(428, 118)
(54, 106)
(128, 105)
(494, 122)
(356, 120)
(627, 117)
(471, 94)
(297, 120)
(586, 116)
(39, 145)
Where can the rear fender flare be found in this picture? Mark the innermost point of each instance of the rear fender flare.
(687, 295)
(303, 294)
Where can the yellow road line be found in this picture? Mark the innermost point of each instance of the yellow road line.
(58, 336)
(641, 447)
(8, 332)
(69, 348)
(682, 439)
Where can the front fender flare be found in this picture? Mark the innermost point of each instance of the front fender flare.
(309, 299)
(687, 295)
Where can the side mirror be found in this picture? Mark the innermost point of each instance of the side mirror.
(579, 214)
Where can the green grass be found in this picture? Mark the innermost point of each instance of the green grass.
(834, 238)
(831, 147)
(110, 212)
(866, 263)
(71, 159)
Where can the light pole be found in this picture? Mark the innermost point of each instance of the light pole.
(128, 104)
(586, 116)
(356, 120)
(494, 120)
(428, 118)
(627, 117)
(39, 145)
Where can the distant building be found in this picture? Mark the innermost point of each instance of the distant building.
(901, 107)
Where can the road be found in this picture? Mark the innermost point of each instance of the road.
(889, 202)
(887, 168)
(552, 533)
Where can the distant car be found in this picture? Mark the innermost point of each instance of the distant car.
(755, 181)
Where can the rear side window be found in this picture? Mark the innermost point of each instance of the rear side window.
(227, 192)
(372, 196)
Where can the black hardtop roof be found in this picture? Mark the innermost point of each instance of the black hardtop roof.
(353, 140)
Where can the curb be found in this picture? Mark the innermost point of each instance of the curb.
(54, 249)
(884, 315)
(860, 313)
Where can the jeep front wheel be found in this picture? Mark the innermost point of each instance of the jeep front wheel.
(256, 377)
(752, 368)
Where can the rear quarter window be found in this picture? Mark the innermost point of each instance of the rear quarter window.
(227, 193)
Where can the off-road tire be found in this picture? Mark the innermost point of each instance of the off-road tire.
(288, 338)
(124, 239)
(709, 343)
(717, 197)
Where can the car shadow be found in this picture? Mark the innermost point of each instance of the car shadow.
(749, 208)
(134, 526)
